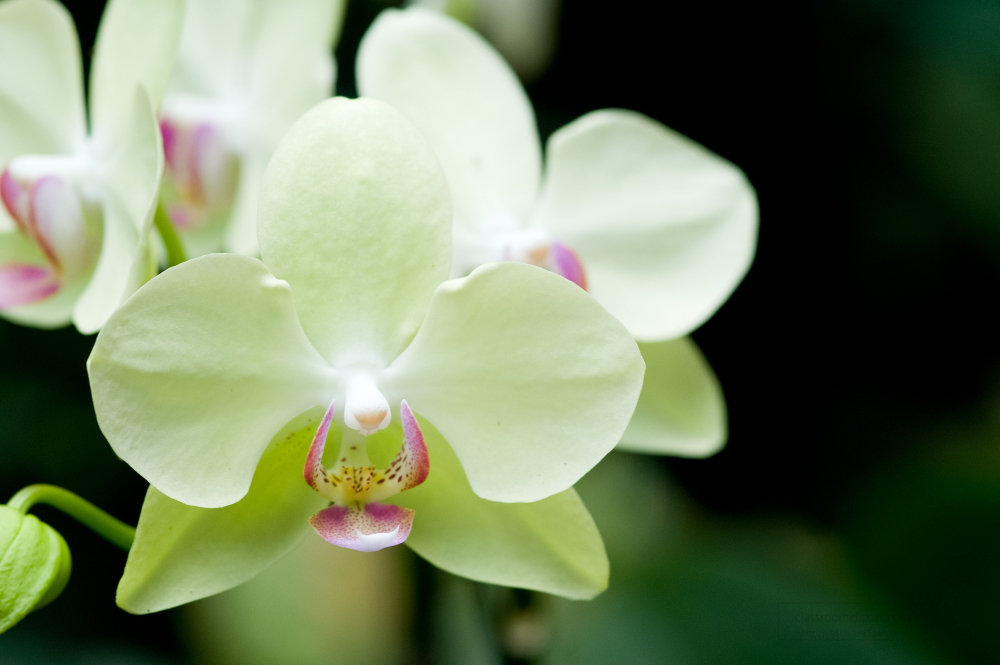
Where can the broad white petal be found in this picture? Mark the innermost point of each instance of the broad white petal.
(354, 214)
(193, 375)
(665, 228)
(465, 99)
(41, 81)
(529, 379)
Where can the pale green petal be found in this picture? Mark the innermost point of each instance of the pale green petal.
(550, 545)
(193, 375)
(681, 410)
(466, 100)
(136, 45)
(527, 377)
(133, 166)
(665, 228)
(41, 81)
(241, 231)
(54, 312)
(212, 45)
(292, 66)
(354, 214)
(524, 31)
(182, 553)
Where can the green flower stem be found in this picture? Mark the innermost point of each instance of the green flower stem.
(175, 251)
(115, 531)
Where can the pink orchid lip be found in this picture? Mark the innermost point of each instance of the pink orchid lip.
(358, 520)
(201, 172)
(23, 284)
(48, 211)
(564, 261)
(535, 248)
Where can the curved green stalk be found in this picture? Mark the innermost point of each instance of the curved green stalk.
(115, 531)
(175, 251)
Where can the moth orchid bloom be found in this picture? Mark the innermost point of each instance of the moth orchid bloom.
(246, 70)
(226, 378)
(657, 228)
(78, 207)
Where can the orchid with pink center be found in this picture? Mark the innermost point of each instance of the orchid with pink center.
(225, 379)
(77, 207)
(658, 229)
(246, 70)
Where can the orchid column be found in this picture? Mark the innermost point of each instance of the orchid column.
(77, 206)
(223, 379)
(657, 228)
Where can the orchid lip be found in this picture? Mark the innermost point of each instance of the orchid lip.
(357, 519)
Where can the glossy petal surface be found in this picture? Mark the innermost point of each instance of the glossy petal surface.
(182, 553)
(681, 410)
(134, 166)
(527, 377)
(41, 81)
(192, 376)
(550, 545)
(665, 229)
(136, 45)
(354, 214)
(466, 100)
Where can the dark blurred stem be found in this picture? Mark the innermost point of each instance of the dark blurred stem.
(175, 252)
(115, 531)
(425, 594)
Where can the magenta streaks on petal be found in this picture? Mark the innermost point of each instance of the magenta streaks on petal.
(564, 261)
(367, 528)
(23, 284)
(313, 469)
(169, 134)
(412, 462)
(16, 199)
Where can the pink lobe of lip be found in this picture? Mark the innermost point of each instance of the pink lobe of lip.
(565, 262)
(367, 528)
(412, 463)
(313, 469)
(24, 284)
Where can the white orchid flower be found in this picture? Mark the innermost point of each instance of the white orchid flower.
(657, 228)
(78, 206)
(246, 71)
(213, 379)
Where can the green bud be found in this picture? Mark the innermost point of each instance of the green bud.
(34, 565)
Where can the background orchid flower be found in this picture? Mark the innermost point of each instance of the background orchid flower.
(77, 206)
(658, 229)
(246, 70)
(212, 381)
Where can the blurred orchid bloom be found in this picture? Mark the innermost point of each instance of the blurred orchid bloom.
(212, 380)
(658, 229)
(78, 208)
(246, 71)
(524, 31)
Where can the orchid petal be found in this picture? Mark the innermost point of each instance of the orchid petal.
(681, 410)
(241, 231)
(529, 379)
(41, 81)
(211, 47)
(196, 371)
(665, 229)
(354, 214)
(550, 545)
(367, 528)
(182, 553)
(292, 66)
(24, 284)
(466, 100)
(134, 166)
(136, 45)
